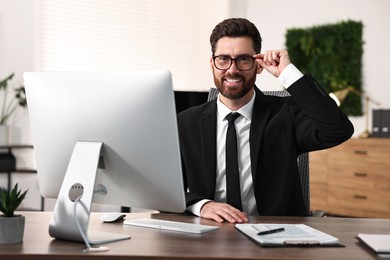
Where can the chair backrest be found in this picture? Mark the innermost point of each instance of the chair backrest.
(303, 159)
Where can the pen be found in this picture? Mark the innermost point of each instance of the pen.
(271, 231)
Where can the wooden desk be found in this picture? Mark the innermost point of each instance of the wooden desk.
(226, 243)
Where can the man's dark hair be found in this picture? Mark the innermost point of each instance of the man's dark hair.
(235, 27)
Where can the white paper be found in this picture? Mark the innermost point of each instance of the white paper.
(293, 234)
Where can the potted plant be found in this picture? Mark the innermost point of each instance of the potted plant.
(11, 225)
(8, 107)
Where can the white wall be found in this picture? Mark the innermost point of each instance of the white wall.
(273, 18)
(18, 26)
(17, 52)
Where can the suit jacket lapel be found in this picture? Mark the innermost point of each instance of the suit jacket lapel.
(208, 126)
(260, 115)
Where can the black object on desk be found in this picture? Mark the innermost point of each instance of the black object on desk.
(271, 231)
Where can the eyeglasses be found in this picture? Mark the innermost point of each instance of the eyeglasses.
(243, 62)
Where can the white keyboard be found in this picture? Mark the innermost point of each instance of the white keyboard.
(170, 225)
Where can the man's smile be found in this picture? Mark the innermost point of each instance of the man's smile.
(232, 81)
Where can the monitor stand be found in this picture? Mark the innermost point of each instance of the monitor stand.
(76, 196)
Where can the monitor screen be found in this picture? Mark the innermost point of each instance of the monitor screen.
(131, 113)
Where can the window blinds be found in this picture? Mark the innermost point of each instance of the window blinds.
(131, 34)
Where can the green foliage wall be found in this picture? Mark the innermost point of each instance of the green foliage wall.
(332, 54)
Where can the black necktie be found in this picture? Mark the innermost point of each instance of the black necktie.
(233, 193)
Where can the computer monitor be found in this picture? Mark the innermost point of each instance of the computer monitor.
(123, 121)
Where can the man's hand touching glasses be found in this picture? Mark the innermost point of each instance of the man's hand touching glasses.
(274, 61)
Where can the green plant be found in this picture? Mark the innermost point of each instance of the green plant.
(8, 107)
(10, 200)
(332, 54)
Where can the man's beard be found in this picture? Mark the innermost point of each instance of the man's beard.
(237, 92)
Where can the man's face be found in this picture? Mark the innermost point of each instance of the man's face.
(234, 83)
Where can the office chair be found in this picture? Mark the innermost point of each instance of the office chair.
(303, 159)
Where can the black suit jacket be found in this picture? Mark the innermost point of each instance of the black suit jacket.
(281, 129)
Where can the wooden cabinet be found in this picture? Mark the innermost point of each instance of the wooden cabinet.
(352, 179)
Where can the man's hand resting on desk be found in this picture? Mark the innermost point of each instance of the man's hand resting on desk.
(221, 212)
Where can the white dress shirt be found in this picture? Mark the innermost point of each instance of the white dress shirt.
(288, 76)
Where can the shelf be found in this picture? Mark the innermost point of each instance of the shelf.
(6, 152)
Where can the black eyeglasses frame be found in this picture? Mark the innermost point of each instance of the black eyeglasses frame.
(235, 60)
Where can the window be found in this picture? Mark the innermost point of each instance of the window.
(131, 34)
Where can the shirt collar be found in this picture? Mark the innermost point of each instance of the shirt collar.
(245, 111)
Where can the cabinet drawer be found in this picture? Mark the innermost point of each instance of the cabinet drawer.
(318, 195)
(359, 175)
(362, 151)
(359, 200)
(352, 179)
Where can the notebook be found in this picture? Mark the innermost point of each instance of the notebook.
(380, 243)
